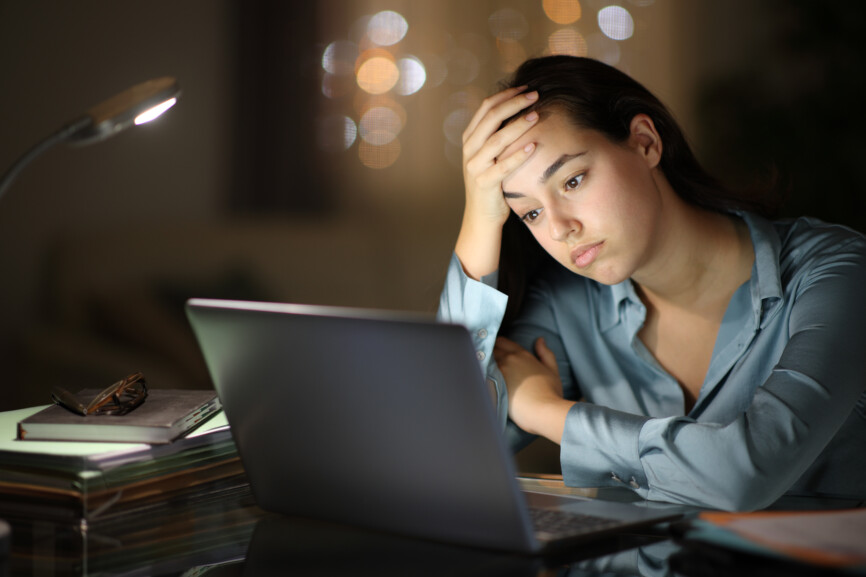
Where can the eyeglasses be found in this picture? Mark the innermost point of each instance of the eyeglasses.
(118, 399)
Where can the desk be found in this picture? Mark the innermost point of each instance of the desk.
(151, 527)
(201, 531)
(228, 536)
(231, 536)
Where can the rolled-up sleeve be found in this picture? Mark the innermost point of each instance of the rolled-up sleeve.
(479, 307)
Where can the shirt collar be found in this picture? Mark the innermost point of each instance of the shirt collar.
(766, 281)
(621, 295)
(765, 284)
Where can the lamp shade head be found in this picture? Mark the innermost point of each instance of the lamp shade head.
(141, 103)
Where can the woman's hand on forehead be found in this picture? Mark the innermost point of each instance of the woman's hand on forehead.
(485, 162)
(485, 166)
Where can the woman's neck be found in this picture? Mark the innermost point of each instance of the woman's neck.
(700, 260)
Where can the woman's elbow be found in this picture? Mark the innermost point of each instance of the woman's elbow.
(752, 497)
(745, 495)
(723, 494)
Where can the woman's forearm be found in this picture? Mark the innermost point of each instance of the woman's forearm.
(478, 247)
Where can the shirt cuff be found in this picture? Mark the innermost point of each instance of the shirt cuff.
(600, 448)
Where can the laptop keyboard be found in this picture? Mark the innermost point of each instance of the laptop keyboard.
(551, 524)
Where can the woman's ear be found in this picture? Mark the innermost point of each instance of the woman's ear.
(645, 139)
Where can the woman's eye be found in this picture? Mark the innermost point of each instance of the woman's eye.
(573, 182)
(530, 216)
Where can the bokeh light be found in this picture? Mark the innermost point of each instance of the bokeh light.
(380, 125)
(470, 99)
(336, 133)
(453, 155)
(337, 86)
(508, 24)
(616, 22)
(511, 55)
(363, 103)
(379, 157)
(454, 125)
(377, 72)
(376, 66)
(387, 28)
(358, 29)
(436, 70)
(458, 109)
(339, 57)
(413, 75)
(463, 67)
(567, 41)
(562, 11)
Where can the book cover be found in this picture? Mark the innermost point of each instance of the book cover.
(166, 415)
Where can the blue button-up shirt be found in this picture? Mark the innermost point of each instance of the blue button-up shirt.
(782, 408)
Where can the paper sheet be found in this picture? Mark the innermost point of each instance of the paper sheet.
(825, 537)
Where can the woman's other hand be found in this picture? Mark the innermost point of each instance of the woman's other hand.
(535, 401)
(484, 169)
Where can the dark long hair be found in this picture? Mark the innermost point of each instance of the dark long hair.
(599, 97)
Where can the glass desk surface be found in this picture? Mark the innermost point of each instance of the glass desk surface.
(226, 534)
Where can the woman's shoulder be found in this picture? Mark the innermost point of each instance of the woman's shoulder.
(810, 248)
(808, 238)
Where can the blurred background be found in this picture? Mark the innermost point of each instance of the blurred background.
(314, 155)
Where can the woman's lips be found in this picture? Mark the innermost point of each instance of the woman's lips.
(585, 254)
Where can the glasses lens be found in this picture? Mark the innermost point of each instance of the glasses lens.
(118, 399)
(121, 397)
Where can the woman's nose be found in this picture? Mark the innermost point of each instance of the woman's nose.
(562, 225)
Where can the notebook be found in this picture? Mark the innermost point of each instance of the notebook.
(380, 420)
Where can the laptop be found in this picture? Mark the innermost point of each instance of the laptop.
(381, 420)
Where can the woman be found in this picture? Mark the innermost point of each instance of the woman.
(669, 336)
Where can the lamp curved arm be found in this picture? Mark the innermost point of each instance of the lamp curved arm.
(61, 135)
(105, 119)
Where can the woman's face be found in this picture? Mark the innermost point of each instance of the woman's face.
(593, 205)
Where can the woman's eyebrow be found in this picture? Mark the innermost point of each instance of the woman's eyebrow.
(551, 170)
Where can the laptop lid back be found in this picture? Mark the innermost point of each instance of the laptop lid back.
(363, 418)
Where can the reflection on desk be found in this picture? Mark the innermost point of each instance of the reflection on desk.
(201, 531)
(228, 536)
(218, 530)
(290, 546)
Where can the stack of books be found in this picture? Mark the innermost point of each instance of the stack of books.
(99, 504)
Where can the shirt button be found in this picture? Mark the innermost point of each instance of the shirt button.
(482, 333)
(480, 355)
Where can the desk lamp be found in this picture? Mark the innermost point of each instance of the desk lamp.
(137, 105)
